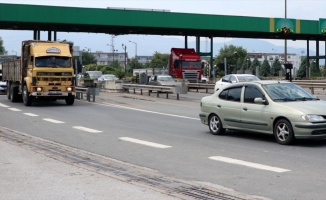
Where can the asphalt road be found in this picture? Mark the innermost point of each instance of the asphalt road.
(166, 135)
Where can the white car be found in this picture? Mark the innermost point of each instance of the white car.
(234, 78)
(106, 77)
(3, 87)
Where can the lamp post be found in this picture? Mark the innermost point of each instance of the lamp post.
(124, 47)
(15, 52)
(135, 46)
(88, 49)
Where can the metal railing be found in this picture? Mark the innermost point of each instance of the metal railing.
(310, 84)
(88, 91)
(150, 88)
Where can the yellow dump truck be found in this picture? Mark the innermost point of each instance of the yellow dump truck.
(44, 72)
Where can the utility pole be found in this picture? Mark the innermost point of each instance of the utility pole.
(124, 47)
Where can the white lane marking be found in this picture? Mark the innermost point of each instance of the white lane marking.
(87, 129)
(148, 111)
(248, 164)
(14, 109)
(152, 144)
(53, 120)
(3, 105)
(30, 114)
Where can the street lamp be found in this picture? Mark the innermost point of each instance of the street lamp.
(88, 49)
(135, 46)
(124, 47)
(15, 52)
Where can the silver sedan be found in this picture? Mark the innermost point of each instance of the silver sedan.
(283, 109)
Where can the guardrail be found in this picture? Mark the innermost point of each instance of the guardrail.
(310, 84)
(89, 91)
(198, 86)
(150, 88)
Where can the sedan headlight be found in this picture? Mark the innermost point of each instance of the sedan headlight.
(39, 89)
(313, 118)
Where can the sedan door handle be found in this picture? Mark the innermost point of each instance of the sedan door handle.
(245, 109)
(218, 106)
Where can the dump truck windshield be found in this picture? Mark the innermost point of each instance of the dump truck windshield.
(52, 61)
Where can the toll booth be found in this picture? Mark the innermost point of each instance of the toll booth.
(288, 71)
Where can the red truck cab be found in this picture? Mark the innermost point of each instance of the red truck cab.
(185, 64)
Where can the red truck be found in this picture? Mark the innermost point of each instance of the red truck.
(185, 64)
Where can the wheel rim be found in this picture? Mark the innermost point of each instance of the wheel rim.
(282, 132)
(214, 123)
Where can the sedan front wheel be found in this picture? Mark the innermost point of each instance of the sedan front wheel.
(215, 125)
(283, 132)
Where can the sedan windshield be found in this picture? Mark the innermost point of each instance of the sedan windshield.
(287, 92)
(248, 78)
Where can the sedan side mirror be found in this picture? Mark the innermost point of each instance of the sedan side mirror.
(260, 100)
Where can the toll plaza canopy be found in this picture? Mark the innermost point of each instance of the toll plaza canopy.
(119, 21)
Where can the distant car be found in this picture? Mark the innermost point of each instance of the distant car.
(164, 80)
(106, 77)
(3, 87)
(93, 74)
(279, 108)
(234, 78)
(204, 79)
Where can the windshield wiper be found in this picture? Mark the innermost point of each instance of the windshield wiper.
(284, 99)
(305, 98)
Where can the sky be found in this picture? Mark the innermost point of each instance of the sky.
(296, 9)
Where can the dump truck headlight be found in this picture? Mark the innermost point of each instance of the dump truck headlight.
(39, 89)
(69, 89)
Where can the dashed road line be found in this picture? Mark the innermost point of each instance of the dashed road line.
(148, 111)
(14, 109)
(30, 114)
(53, 121)
(248, 164)
(87, 129)
(151, 144)
(4, 106)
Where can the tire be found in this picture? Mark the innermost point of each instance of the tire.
(283, 132)
(215, 125)
(70, 99)
(14, 93)
(26, 98)
(8, 91)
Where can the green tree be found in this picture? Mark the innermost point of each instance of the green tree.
(2, 48)
(255, 63)
(115, 64)
(315, 70)
(302, 72)
(239, 64)
(159, 60)
(276, 67)
(265, 69)
(88, 58)
(232, 54)
(134, 64)
(246, 64)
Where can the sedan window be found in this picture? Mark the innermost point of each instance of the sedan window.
(252, 92)
(226, 78)
(231, 94)
(233, 79)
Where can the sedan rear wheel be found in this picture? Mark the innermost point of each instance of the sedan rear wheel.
(215, 125)
(283, 132)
